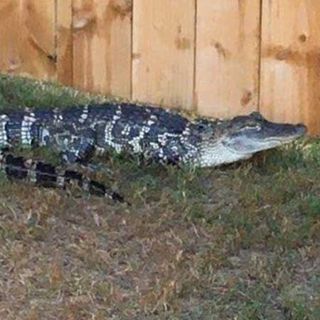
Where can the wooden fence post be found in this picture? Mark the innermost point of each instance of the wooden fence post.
(163, 52)
(227, 57)
(27, 44)
(290, 70)
(102, 46)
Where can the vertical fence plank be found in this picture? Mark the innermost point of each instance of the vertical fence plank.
(102, 46)
(28, 37)
(9, 20)
(290, 70)
(64, 42)
(227, 58)
(163, 52)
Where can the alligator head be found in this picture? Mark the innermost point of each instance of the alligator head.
(239, 138)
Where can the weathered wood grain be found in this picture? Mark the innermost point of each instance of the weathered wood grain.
(163, 52)
(27, 31)
(102, 46)
(290, 70)
(64, 43)
(227, 58)
(196, 54)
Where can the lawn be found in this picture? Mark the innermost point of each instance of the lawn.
(236, 242)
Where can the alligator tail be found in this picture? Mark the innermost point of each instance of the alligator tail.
(47, 175)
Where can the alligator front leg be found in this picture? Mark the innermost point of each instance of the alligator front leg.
(77, 155)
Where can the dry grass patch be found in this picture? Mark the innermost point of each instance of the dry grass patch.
(240, 242)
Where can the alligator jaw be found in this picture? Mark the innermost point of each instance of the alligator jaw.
(241, 137)
(219, 154)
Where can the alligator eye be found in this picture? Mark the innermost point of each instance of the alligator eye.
(256, 127)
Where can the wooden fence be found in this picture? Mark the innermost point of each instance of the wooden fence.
(218, 57)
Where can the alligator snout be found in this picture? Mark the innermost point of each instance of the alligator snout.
(301, 129)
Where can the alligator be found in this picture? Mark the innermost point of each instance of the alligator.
(162, 135)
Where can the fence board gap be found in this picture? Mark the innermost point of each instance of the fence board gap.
(163, 52)
(227, 59)
(64, 43)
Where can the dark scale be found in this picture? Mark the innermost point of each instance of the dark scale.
(13, 128)
(170, 121)
(46, 175)
(72, 115)
(15, 167)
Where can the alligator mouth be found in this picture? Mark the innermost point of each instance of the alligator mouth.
(251, 146)
(280, 140)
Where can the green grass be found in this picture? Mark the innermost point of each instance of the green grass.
(238, 242)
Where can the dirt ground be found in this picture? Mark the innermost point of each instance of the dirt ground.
(237, 242)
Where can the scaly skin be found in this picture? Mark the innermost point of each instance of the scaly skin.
(164, 136)
(46, 175)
